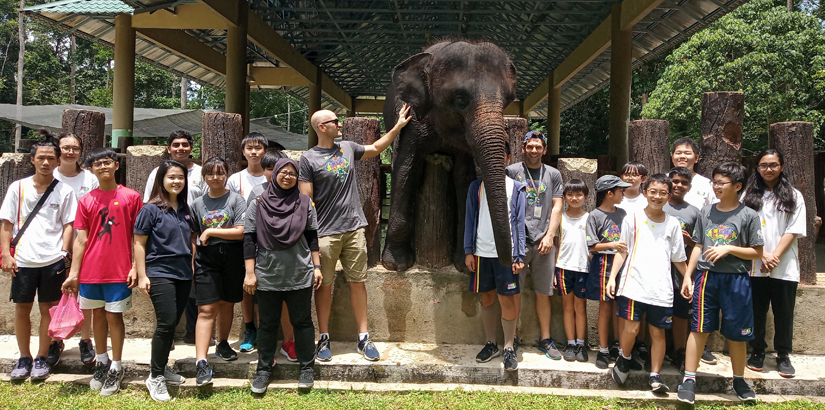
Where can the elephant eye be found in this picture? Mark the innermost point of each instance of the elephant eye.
(460, 101)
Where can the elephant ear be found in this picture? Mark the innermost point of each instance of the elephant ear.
(410, 81)
(511, 83)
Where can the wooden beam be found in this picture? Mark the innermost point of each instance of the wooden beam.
(277, 76)
(513, 109)
(634, 11)
(186, 16)
(226, 10)
(368, 106)
(187, 46)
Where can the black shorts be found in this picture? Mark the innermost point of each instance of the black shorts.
(219, 273)
(44, 281)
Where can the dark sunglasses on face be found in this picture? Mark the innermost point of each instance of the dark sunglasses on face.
(332, 121)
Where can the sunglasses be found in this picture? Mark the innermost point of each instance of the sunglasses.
(332, 121)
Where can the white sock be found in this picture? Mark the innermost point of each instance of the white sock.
(103, 358)
(571, 342)
(323, 335)
(581, 342)
(201, 360)
(361, 336)
(115, 365)
(603, 350)
(653, 374)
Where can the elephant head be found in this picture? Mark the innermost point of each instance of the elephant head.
(458, 91)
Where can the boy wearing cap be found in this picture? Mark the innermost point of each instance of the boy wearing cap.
(603, 241)
(543, 187)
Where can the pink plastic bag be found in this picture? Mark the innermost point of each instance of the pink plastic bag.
(67, 318)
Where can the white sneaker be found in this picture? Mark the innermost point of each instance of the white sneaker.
(171, 377)
(157, 388)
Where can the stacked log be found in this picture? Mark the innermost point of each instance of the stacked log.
(723, 114)
(584, 169)
(649, 143)
(140, 161)
(222, 136)
(87, 125)
(14, 167)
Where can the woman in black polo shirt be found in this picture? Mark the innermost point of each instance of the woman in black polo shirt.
(163, 243)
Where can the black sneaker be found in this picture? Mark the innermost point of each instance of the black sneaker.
(261, 382)
(756, 361)
(489, 351)
(204, 373)
(743, 391)
(510, 360)
(322, 350)
(87, 352)
(621, 369)
(581, 354)
(708, 357)
(614, 351)
(785, 367)
(55, 349)
(548, 346)
(686, 393)
(570, 353)
(657, 385)
(225, 352)
(602, 360)
(306, 379)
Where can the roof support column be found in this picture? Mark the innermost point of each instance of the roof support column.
(620, 82)
(247, 107)
(314, 105)
(236, 86)
(123, 89)
(553, 119)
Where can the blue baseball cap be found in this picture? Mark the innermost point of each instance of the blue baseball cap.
(535, 134)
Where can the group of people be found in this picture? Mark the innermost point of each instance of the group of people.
(663, 254)
(669, 250)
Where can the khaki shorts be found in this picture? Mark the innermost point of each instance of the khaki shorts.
(351, 248)
(540, 268)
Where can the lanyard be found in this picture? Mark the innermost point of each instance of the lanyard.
(532, 182)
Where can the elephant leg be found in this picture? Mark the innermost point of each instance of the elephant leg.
(464, 173)
(407, 169)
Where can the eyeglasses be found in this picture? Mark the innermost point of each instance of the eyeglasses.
(285, 174)
(654, 193)
(337, 123)
(765, 167)
(71, 149)
(180, 145)
(103, 163)
(720, 184)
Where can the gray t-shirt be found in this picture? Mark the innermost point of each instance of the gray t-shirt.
(740, 227)
(225, 211)
(335, 189)
(604, 227)
(541, 186)
(284, 269)
(255, 192)
(687, 215)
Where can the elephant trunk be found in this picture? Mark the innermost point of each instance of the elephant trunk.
(488, 137)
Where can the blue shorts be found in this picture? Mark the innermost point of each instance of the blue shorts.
(490, 275)
(114, 297)
(657, 316)
(599, 275)
(681, 307)
(730, 293)
(568, 281)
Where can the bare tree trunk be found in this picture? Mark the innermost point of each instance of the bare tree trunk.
(796, 140)
(366, 131)
(648, 141)
(288, 114)
(140, 161)
(21, 56)
(222, 135)
(434, 221)
(184, 86)
(88, 125)
(73, 69)
(516, 129)
(723, 113)
(584, 169)
(14, 166)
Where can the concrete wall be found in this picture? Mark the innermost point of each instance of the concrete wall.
(437, 307)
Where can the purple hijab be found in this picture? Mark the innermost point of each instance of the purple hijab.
(282, 213)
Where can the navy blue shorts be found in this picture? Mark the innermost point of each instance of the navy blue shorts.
(658, 316)
(597, 278)
(730, 293)
(490, 275)
(681, 307)
(569, 281)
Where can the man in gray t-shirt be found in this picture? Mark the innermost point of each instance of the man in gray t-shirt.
(542, 215)
(327, 176)
(740, 227)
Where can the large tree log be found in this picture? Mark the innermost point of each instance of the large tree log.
(434, 214)
(88, 125)
(516, 129)
(14, 167)
(796, 141)
(723, 113)
(222, 136)
(366, 131)
(584, 169)
(140, 161)
(648, 142)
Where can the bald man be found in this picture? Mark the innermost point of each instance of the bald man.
(327, 176)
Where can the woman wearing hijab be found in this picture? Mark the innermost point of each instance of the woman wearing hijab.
(282, 265)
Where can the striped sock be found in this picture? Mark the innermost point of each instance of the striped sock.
(690, 376)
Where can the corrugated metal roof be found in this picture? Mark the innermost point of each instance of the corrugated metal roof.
(89, 7)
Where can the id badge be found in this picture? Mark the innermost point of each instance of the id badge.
(537, 211)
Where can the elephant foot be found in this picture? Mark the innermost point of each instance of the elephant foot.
(397, 259)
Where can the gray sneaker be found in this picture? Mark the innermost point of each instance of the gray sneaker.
(41, 370)
(581, 354)
(307, 379)
(785, 367)
(204, 373)
(112, 383)
(686, 393)
(23, 369)
(261, 382)
(548, 346)
(99, 377)
(157, 388)
(570, 353)
(171, 377)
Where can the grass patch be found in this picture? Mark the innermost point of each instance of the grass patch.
(72, 396)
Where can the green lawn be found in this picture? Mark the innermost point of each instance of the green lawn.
(70, 396)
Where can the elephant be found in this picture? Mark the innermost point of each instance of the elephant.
(457, 90)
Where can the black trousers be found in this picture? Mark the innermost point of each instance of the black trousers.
(299, 304)
(780, 296)
(169, 298)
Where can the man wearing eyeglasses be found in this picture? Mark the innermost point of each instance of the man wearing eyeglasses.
(327, 176)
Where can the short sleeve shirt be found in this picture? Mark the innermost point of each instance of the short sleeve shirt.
(243, 182)
(774, 224)
(168, 246)
(603, 227)
(109, 217)
(573, 254)
(541, 186)
(687, 215)
(701, 192)
(739, 227)
(224, 212)
(633, 205)
(335, 187)
(81, 184)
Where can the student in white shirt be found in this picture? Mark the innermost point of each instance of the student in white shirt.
(774, 278)
(635, 174)
(686, 154)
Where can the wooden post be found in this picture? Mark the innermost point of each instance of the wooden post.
(796, 141)
(88, 125)
(140, 161)
(516, 129)
(649, 143)
(435, 214)
(222, 136)
(819, 184)
(584, 169)
(723, 113)
(366, 131)
(13, 167)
